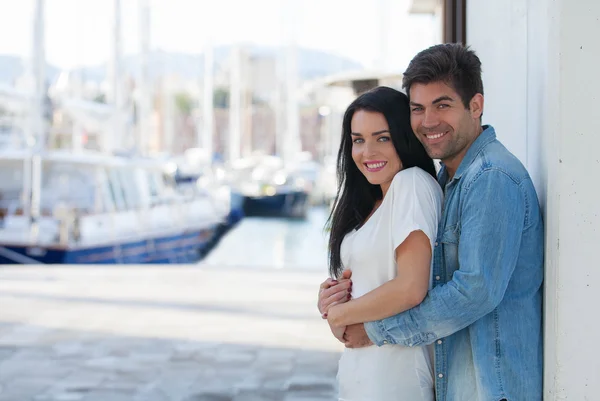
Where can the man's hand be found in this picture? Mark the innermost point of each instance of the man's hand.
(356, 336)
(333, 292)
(338, 332)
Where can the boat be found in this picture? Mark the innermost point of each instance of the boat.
(93, 208)
(269, 188)
(193, 174)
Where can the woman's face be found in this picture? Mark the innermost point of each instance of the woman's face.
(372, 149)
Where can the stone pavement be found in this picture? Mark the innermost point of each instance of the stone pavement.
(165, 333)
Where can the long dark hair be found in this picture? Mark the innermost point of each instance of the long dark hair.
(356, 197)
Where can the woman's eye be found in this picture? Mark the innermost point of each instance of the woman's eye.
(384, 139)
(358, 140)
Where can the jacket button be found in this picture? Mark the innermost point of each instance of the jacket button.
(440, 375)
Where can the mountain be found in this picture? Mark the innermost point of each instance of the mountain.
(13, 67)
(311, 64)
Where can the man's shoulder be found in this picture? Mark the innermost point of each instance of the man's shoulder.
(495, 157)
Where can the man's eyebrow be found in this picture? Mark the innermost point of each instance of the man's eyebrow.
(444, 98)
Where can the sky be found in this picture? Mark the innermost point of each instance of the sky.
(376, 33)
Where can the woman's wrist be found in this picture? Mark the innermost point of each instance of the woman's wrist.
(336, 315)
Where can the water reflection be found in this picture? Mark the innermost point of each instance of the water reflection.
(275, 243)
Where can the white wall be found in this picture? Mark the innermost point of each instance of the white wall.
(497, 28)
(540, 61)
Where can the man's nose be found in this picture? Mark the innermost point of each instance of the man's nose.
(431, 119)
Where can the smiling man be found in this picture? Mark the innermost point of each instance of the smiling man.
(484, 312)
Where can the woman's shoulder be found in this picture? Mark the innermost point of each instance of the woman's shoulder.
(414, 177)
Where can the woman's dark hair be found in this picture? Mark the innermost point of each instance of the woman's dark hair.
(452, 63)
(356, 197)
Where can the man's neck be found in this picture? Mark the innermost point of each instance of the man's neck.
(452, 163)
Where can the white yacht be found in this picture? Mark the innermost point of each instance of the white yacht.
(95, 208)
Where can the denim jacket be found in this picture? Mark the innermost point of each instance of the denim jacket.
(484, 312)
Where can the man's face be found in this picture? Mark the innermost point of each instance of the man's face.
(442, 123)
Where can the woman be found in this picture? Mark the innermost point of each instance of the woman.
(382, 227)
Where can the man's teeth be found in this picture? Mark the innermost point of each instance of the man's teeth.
(435, 136)
(376, 165)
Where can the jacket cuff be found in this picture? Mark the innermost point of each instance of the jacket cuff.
(377, 333)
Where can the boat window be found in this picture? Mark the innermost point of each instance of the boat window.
(130, 188)
(105, 193)
(141, 179)
(68, 185)
(11, 187)
(116, 190)
(154, 187)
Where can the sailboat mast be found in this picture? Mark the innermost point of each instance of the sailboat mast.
(115, 95)
(292, 137)
(235, 107)
(144, 129)
(208, 100)
(37, 121)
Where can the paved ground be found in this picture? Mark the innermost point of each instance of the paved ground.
(163, 333)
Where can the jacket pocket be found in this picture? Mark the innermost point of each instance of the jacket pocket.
(450, 239)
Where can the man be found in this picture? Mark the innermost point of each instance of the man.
(484, 312)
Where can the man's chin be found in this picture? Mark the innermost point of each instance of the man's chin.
(435, 153)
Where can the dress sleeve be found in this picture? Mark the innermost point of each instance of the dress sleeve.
(417, 200)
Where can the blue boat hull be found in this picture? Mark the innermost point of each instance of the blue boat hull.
(237, 209)
(291, 204)
(186, 247)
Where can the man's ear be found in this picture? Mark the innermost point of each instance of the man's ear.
(476, 106)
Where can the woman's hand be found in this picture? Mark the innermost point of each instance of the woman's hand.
(333, 292)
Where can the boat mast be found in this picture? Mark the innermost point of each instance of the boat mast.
(208, 101)
(32, 189)
(145, 103)
(235, 107)
(291, 143)
(115, 94)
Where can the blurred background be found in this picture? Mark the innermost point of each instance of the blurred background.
(167, 168)
(155, 131)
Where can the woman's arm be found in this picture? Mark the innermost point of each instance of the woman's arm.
(408, 289)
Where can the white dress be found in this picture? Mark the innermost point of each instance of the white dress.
(390, 372)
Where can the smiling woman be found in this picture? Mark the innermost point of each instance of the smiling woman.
(382, 227)
(376, 129)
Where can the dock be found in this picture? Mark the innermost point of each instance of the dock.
(164, 333)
